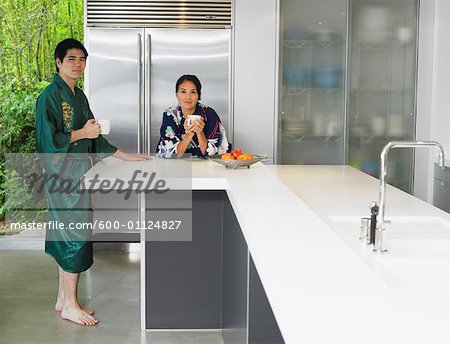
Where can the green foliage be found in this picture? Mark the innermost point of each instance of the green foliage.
(21, 205)
(17, 135)
(29, 32)
(17, 108)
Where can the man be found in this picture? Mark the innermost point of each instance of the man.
(66, 128)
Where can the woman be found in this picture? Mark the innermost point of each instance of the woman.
(202, 137)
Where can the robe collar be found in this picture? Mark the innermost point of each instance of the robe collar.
(199, 110)
(62, 84)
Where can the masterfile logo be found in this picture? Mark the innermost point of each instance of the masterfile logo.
(56, 183)
(73, 198)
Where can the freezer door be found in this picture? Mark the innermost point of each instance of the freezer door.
(113, 82)
(171, 53)
(113, 79)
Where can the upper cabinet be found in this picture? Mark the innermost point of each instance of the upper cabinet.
(382, 85)
(347, 83)
(313, 37)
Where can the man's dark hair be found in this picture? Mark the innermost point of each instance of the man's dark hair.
(63, 46)
(193, 79)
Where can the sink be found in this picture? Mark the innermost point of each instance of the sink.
(418, 256)
(404, 236)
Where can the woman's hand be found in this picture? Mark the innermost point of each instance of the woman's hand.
(130, 157)
(198, 130)
(188, 128)
(198, 126)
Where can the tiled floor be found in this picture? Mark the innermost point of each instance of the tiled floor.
(28, 286)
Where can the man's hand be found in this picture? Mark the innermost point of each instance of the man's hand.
(130, 157)
(91, 129)
(136, 157)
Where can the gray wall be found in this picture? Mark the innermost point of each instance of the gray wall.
(255, 37)
(433, 101)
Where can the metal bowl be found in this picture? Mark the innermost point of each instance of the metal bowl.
(237, 163)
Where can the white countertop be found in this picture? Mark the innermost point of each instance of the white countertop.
(323, 286)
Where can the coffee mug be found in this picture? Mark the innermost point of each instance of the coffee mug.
(193, 118)
(105, 126)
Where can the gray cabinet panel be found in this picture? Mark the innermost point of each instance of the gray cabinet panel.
(442, 188)
(184, 279)
(235, 270)
(262, 327)
(209, 282)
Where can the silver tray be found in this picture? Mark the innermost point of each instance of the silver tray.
(237, 163)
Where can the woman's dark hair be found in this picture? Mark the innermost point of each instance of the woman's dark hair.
(63, 46)
(193, 79)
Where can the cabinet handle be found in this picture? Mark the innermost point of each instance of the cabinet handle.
(140, 90)
(148, 117)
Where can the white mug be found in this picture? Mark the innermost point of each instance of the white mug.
(193, 118)
(105, 126)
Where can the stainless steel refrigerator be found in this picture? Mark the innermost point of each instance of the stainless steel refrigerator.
(131, 78)
(132, 72)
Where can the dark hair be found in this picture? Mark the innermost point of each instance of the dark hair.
(63, 46)
(193, 79)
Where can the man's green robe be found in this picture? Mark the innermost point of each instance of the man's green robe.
(58, 112)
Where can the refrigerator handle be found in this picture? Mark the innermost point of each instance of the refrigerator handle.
(140, 90)
(148, 127)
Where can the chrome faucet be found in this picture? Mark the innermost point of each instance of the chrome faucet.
(378, 247)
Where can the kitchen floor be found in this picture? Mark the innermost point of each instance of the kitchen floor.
(28, 286)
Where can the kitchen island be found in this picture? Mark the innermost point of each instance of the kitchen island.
(300, 225)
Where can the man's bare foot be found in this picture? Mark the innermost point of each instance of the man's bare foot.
(60, 305)
(78, 316)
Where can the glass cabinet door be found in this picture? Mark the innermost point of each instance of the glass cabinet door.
(382, 86)
(325, 118)
(312, 75)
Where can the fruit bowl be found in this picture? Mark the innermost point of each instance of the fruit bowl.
(237, 163)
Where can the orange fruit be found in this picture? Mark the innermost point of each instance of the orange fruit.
(227, 156)
(236, 152)
(246, 156)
